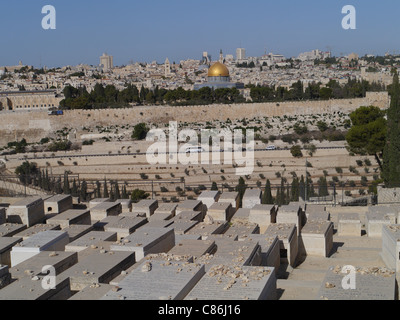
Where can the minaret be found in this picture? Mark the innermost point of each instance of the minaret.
(167, 68)
(221, 56)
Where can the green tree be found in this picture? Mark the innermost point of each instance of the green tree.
(140, 131)
(391, 153)
(106, 194)
(26, 171)
(214, 186)
(241, 189)
(296, 152)
(138, 195)
(368, 133)
(267, 196)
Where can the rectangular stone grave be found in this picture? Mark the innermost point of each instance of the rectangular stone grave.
(390, 211)
(371, 284)
(104, 210)
(270, 249)
(11, 229)
(204, 229)
(263, 215)
(166, 208)
(43, 241)
(181, 237)
(145, 206)
(71, 217)
(311, 208)
(160, 216)
(374, 223)
(28, 211)
(5, 276)
(147, 240)
(57, 204)
(3, 216)
(95, 202)
(126, 205)
(316, 238)
(288, 238)
(251, 197)
(125, 226)
(157, 280)
(59, 260)
(242, 229)
(241, 215)
(89, 239)
(191, 205)
(349, 224)
(158, 223)
(189, 215)
(28, 289)
(92, 292)
(99, 267)
(194, 248)
(319, 216)
(76, 231)
(230, 197)
(209, 198)
(37, 228)
(290, 214)
(6, 245)
(224, 282)
(100, 225)
(391, 246)
(220, 211)
(182, 226)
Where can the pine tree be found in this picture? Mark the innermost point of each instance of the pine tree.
(83, 191)
(391, 153)
(105, 191)
(124, 193)
(295, 190)
(241, 189)
(267, 196)
(214, 186)
(98, 190)
(66, 189)
(74, 191)
(302, 188)
(117, 191)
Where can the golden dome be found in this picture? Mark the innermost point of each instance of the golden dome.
(218, 70)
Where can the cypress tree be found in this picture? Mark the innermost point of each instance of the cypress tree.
(267, 196)
(83, 191)
(74, 191)
(105, 191)
(295, 192)
(241, 189)
(117, 191)
(66, 189)
(391, 152)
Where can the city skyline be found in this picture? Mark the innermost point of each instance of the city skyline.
(179, 30)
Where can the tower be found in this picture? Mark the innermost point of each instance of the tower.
(167, 67)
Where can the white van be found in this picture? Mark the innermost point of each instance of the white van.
(195, 149)
(271, 148)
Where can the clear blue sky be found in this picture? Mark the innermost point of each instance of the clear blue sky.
(148, 30)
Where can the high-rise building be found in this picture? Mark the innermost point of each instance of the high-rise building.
(106, 62)
(240, 54)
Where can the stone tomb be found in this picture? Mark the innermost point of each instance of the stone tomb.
(93, 203)
(374, 222)
(31, 289)
(209, 198)
(189, 215)
(289, 245)
(71, 217)
(104, 210)
(191, 205)
(126, 205)
(99, 267)
(193, 248)
(225, 282)
(251, 198)
(43, 241)
(205, 229)
(270, 249)
(291, 213)
(167, 209)
(125, 226)
(158, 280)
(90, 239)
(57, 204)
(37, 228)
(92, 292)
(147, 240)
(76, 231)
(11, 229)
(318, 216)
(230, 197)
(28, 211)
(182, 226)
(263, 215)
(6, 245)
(145, 207)
(392, 212)
(60, 260)
(316, 239)
(391, 246)
(371, 284)
(220, 211)
(349, 224)
(242, 229)
(241, 215)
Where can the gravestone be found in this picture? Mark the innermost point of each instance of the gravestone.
(70, 217)
(209, 198)
(232, 198)
(316, 238)
(205, 229)
(224, 282)
(391, 246)
(93, 203)
(6, 245)
(126, 205)
(104, 210)
(182, 226)
(288, 239)
(57, 204)
(37, 228)
(125, 226)
(145, 206)
(158, 280)
(76, 231)
(5, 277)
(263, 215)
(43, 241)
(291, 213)
(194, 248)
(374, 223)
(242, 229)
(270, 249)
(220, 211)
(241, 215)
(28, 211)
(191, 205)
(92, 292)
(349, 224)
(251, 198)
(89, 239)
(11, 229)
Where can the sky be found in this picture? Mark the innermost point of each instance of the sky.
(148, 30)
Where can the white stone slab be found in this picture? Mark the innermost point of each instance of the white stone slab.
(89, 239)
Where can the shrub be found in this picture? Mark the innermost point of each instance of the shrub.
(296, 152)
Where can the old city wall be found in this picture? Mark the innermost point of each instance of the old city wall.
(38, 124)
